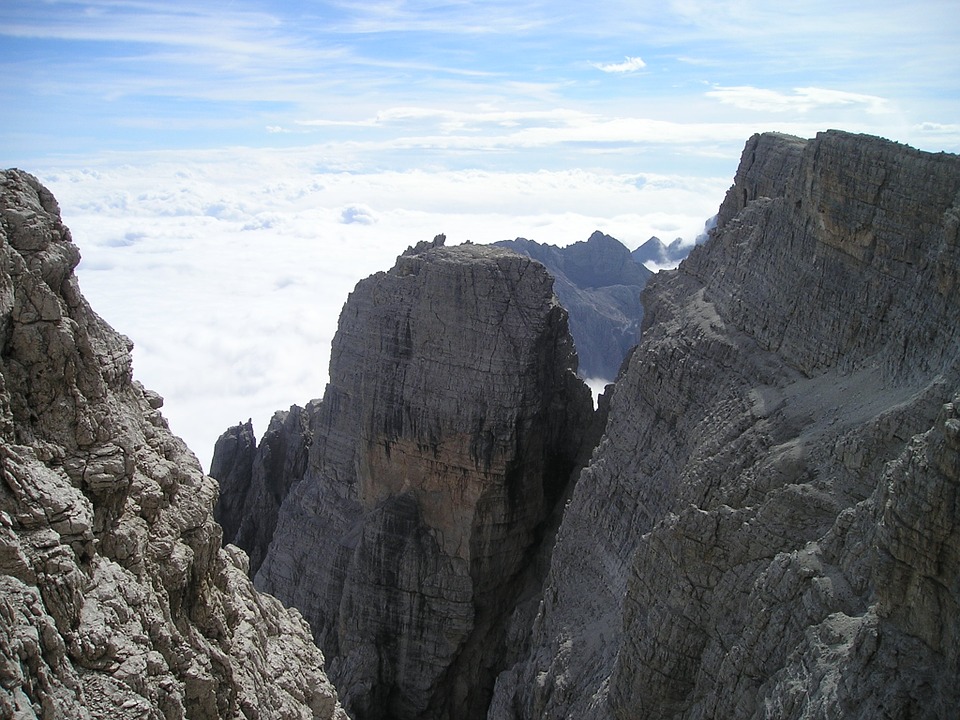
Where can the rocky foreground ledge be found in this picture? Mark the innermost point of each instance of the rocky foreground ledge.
(116, 598)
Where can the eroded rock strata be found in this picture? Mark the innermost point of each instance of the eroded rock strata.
(768, 527)
(116, 599)
(411, 535)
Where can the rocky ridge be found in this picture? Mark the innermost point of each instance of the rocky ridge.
(599, 284)
(116, 599)
(405, 513)
(767, 527)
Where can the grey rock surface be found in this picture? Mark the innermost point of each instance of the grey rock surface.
(116, 599)
(436, 464)
(767, 528)
(599, 283)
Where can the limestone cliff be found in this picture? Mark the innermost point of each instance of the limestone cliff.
(116, 599)
(410, 535)
(599, 284)
(767, 528)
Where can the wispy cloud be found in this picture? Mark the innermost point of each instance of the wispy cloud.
(629, 65)
(803, 99)
(492, 17)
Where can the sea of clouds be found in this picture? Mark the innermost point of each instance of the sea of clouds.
(228, 269)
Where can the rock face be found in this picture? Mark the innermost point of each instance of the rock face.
(417, 494)
(116, 600)
(599, 284)
(768, 527)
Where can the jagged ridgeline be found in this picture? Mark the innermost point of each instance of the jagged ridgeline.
(116, 599)
(767, 527)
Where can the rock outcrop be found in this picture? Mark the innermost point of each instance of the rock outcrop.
(116, 599)
(768, 527)
(418, 493)
(599, 284)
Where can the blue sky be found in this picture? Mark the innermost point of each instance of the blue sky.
(231, 169)
(500, 85)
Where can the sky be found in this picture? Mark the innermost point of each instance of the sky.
(231, 169)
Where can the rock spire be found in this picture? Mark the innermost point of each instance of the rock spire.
(416, 495)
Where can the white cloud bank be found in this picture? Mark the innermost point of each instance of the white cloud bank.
(229, 269)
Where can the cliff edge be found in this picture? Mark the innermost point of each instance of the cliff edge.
(767, 528)
(116, 599)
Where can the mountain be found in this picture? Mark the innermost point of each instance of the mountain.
(116, 599)
(599, 284)
(767, 528)
(655, 252)
(759, 519)
(407, 513)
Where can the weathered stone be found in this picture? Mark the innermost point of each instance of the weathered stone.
(766, 528)
(116, 600)
(254, 479)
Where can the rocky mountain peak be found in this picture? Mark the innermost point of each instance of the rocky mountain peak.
(599, 283)
(411, 534)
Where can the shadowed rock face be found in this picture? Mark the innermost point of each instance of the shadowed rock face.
(116, 600)
(443, 444)
(254, 479)
(767, 527)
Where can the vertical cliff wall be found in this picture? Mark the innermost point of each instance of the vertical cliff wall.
(411, 536)
(116, 600)
(768, 526)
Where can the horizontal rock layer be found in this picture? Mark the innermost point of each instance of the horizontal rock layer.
(116, 600)
(766, 528)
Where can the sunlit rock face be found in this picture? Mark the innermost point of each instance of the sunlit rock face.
(411, 537)
(116, 599)
(767, 528)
